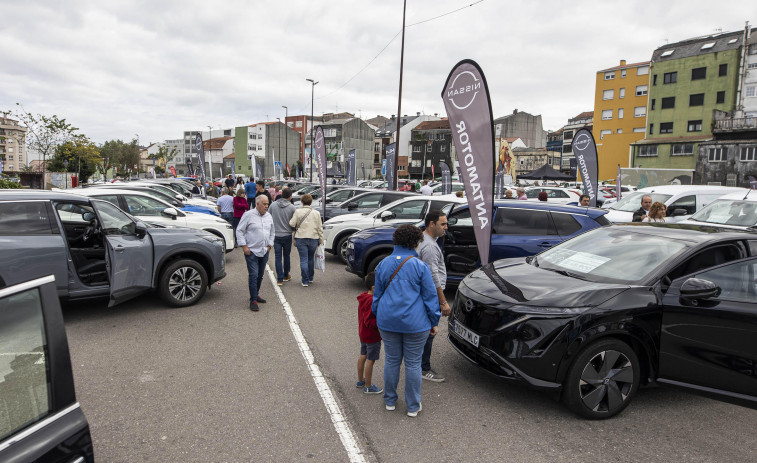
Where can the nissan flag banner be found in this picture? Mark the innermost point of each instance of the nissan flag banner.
(351, 168)
(201, 154)
(466, 99)
(362, 166)
(173, 170)
(320, 155)
(446, 178)
(390, 157)
(585, 151)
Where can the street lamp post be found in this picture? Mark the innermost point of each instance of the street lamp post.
(210, 153)
(65, 164)
(312, 100)
(282, 170)
(286, 137)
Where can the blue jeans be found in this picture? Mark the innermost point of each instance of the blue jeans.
(409, 346)
(255, 272)
(306, 248)
(426, 360)
(228, 216)
(282, 245)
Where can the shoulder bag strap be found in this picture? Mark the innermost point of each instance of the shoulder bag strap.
(398, 269)
(302, 220)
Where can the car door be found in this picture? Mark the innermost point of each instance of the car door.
(459, 248)
(521, 232)
(40, 418)
(709, 344)
(686, 203)
(129, 256)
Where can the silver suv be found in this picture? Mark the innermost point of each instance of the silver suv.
(95, 249)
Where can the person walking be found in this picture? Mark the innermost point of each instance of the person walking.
(225, 206)
(308, 235)
(370, 339)
(250, 188)
(240, 207)
(229, 182)
(282, 212)
(255, 234)
(430, 253)
(407, 311)
(260, 185)
(426, 190)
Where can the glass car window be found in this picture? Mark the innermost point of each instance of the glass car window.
(113, 199)
(729, 212)
(340, 196)
(113, 220)
(566, 224)
(24, 380)
(512, 221)
(533, 193)
(463, 218)
(408, 209)
(687, 202)
(24, 218)
(72, 213)
(143, 205)
(736, 281)
(369, 201)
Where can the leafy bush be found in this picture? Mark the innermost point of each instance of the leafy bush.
(4, 183)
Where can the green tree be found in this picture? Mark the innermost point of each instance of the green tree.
(118, 155)
(163, 156)
(79, 155)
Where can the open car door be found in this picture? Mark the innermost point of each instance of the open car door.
(129, 256)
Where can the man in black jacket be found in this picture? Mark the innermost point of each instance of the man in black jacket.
(646, 203)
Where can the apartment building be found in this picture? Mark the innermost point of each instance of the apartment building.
(12, 145)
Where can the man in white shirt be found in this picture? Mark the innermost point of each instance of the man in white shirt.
(225, 205)
(255, 234)
(426, 190)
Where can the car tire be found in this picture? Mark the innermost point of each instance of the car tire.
(341, 248)
(603, 379)
(374, 263)
(183, 283)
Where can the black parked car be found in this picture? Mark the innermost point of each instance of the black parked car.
(599, 315)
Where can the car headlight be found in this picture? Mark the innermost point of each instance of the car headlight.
(328, 227)
(534, 310)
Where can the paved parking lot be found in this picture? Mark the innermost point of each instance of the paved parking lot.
(216, 382)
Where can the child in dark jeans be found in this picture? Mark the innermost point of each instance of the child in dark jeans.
(370, 339)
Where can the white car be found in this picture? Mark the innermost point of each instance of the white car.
(555, 195)
(681, 200)
(154, 211)
(436, 190)
(734, 210)
(406, 210)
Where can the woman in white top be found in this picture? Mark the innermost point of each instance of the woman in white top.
(308, 235)
(656, 213)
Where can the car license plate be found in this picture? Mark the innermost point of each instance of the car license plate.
(466, 334)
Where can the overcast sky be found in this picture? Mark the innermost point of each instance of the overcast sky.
(156, 68)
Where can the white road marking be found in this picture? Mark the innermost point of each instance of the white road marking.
(341, 425)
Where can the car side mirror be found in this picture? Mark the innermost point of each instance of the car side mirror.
(451, 221)
(678, 212)
(171, 212)
(697, 288)
(387, 215)
(88, 216)
(351, 206)
(140, 230)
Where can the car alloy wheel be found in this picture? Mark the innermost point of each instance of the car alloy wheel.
(342, 247)
(603, 379)
(183, 283)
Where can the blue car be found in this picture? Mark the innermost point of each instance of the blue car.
(519, 229)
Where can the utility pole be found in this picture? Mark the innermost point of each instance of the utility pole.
(312, 125)
(210, 154)
(282, 169)
(393, 186)
(286, 136)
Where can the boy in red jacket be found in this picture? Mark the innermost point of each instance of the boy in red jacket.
(370, 339)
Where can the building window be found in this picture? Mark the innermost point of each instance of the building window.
(695, 126)
(640, 111)
(697, 99)
(648, 150)
(638, 130)
(720, 99)
(619, 131)
(668, 102)
(750, 91)
(443, 148)
(716, 154)
(620, 113)
(698, 73)
(641, 90)
(567, 135)
(749, 154)
(603, 133)
(666, 127)
(608, 94)
(670, 77)
(682, 149)
(651, 129)
(428, 148)
(652, 104)
(622, 73)
(606, 114)
(260, 147)
(723, 70)
(298, 124)
(609, 75)
(417, 149)
(654, 79)
(642, 71)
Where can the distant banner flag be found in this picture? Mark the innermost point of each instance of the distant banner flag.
(260, 171)
(506, 159)
(466, 99)
(573, 170)
(617, 184)
(352, 168)
(390, 158)
(499, 182)
(320, 153)
(433, 175)
(446, 178)
(173, 170)
(201, 154)
(752, 183)
(383, 169)
(289, 172)
(585, 151)
(190, 171)
(362, 166)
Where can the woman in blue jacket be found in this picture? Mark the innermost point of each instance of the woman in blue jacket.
(407, 310)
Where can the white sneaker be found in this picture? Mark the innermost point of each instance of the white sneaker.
(415, 413)
(390, 407)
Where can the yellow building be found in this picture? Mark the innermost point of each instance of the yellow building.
(620, 110)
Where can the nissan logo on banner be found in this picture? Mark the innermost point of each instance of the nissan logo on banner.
(466, 99)
(585, 152)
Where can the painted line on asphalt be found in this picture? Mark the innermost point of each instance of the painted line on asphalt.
(341, 425)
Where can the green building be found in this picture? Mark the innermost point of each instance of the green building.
(266, 143)
(687, 81)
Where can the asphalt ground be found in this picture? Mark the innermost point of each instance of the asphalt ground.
(216, 382)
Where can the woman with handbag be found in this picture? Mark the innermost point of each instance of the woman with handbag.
(308, 234)
(407, 310)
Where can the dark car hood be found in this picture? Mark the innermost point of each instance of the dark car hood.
(525, 284)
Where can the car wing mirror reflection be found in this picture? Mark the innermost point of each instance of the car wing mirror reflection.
(695, 289)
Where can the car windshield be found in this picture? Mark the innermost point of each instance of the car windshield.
(611, 255)
(632, 201)
(729, 212)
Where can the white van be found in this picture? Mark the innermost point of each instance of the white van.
(681, 200)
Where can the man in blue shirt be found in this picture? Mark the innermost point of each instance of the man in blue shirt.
(250, 189)
(255, 234)
(225, 205)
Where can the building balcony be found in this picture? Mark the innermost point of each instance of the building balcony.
(735, 124)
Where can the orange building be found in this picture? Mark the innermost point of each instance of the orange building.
(620, 110)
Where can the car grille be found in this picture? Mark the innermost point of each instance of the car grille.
(482, 318)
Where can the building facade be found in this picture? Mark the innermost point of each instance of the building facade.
(521, 125)
(265, 144)
(430, 144)
(12, 145)
(585, 120)
(620, 103)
